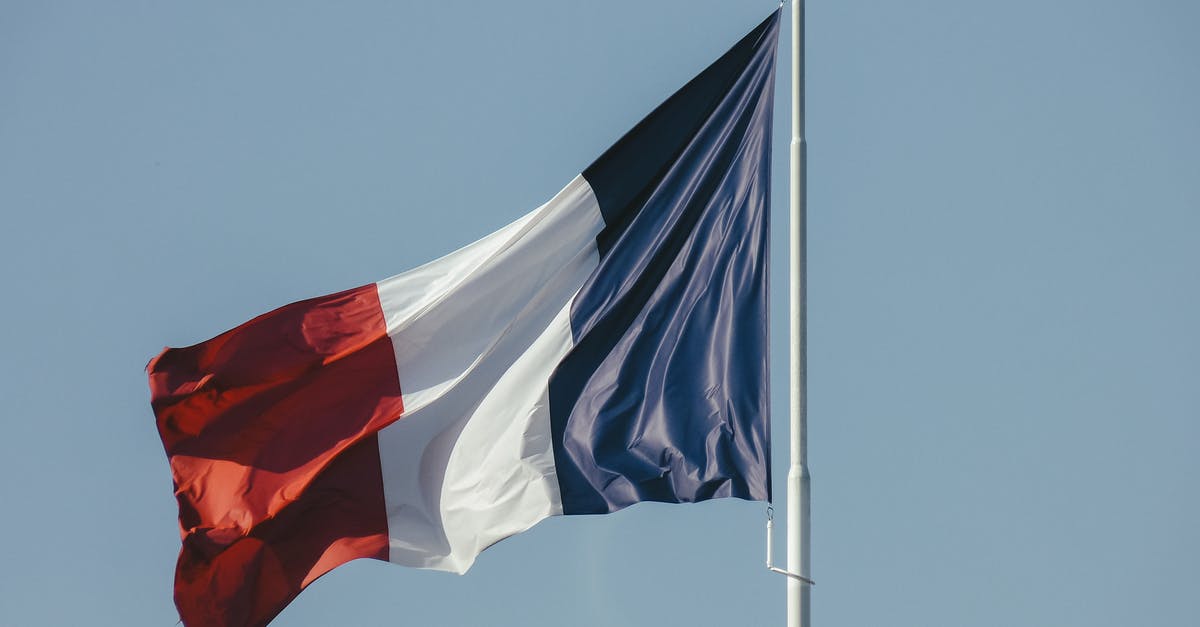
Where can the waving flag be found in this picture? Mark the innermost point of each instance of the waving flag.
(609, 347)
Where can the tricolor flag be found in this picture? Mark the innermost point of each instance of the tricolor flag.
(607, 348)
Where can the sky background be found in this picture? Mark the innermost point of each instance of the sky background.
(1004, 261)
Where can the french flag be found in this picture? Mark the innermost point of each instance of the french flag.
(607, 348)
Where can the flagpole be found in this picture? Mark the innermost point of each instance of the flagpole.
(798, 531)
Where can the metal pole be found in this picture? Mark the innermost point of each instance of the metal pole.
(798, 532)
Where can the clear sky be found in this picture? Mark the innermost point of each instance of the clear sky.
(1004, 267)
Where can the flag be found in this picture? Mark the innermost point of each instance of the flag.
(608, 348)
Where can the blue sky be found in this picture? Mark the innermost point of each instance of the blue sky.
(1004, 362)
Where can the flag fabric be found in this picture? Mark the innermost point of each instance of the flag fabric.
(608, 348)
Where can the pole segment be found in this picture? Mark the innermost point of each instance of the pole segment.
(798, 532)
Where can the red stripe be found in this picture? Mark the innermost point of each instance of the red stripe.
(338, 518)
(269, 429)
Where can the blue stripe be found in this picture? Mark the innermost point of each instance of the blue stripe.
(664, 396)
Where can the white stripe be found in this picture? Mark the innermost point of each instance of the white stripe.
(477, 335)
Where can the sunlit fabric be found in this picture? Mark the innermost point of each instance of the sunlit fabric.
(607, 348)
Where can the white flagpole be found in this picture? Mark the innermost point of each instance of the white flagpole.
(798, 532)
